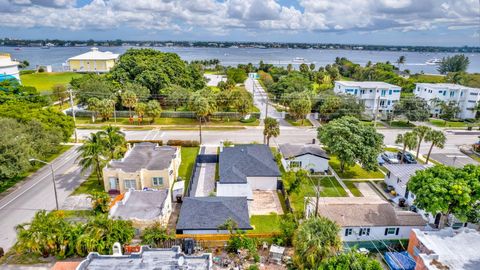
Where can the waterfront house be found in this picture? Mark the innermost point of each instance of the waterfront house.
(93, 61)
(309, 157)
(377, 96)
(145, 166)
(466, 98)
(8, 68)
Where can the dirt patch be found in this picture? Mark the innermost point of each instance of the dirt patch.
(265, 202)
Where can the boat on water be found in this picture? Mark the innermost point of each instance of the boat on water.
(17, 49)
(299, 60)
(433, 61)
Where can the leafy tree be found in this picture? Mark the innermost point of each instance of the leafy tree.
(333, 106)
(408, 140)
(114, 142)
(437, 138)
(105, 108)
(351, 141)
(129, 100)
(140, 110)
(92, 155)
(456, 63)
(293, 82)
(448, 190)
(242, 101)
(100, 202)
(93, 105)
(351, 260)
(176, 96)
(299, 105)
(141, 92)
(153, 110)
(449, 110)
(156, 235)
(414, 108)
(304, 68)
(59, 92)
(421, 132)
(288, 225)
(289, 68)
(315, 240)
(271, 129)
(92, 85)
(236, 75)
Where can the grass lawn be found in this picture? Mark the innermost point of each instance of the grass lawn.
(423, 78)
(44, 81)
(401, 124)
(89, 186)
(355, 172)
(299, 123)
(391, 149)
(169, 121)
(189, 154)
(330, 188)
(353, 188)
(7, 183)
(443, 123)
(265, 223)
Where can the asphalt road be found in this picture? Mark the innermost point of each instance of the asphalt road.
(36, 193)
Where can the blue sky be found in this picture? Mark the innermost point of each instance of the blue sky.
(392, 22)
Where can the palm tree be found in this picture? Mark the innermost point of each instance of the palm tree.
(129, 100)
(140, 109)
(401, 60)
(113, 141)
(421, 132)
(437, 138)
(153, 110)
(92, 155)
(409, 140)
(202, 108)
(271, 129)
(316, 239)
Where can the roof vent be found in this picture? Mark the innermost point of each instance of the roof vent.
(117, 249)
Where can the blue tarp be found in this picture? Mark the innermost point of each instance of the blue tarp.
(399, 261)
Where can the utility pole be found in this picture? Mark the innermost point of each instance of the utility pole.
(73, 114)
(53, 178)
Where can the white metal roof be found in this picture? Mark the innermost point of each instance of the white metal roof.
(368, 84)
(449, 86)
(6, 61)
(95, 54)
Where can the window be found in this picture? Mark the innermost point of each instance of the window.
(364, 231)
(444, 93)
(348, 231)
(389, 92)
(388, 103)
(384, 92)
(113, 182)
(391, 231)
(157, 181)
(295, 164)
(130, 184)
(362, 91)
(452, 94)
(371, 90)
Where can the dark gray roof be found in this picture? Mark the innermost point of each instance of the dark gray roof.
(141, 204)
(208, 213)
(145, 156)
(242, 161)
(295, 150)
(147, 258)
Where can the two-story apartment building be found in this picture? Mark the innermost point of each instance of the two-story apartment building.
(466, 98)
(145, 166)
(92, 61)
(377, 96)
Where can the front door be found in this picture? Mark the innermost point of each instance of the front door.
(437, 219)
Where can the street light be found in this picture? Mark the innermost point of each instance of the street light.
(53, 178)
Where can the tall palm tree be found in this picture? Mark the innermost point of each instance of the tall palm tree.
(114, 142)
(92, 155)
(437, 138)
(153, 110)
(129, 100)
(421, 132)
(203, 107)
(271, 129)
(140, 109)
(409, 140)
(401, 60)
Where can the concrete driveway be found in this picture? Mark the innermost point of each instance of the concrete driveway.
(454, 159)
(265, 202)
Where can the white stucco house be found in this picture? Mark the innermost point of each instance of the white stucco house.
(310, 157)
(398, 176)
(8, 68)
(366, 219)
(467, 98)
(377, 96)
(245, 168)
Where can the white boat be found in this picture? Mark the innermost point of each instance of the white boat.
(433, 61)
(299, 60)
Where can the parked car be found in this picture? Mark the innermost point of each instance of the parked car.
(390, 157)
(407, 158)
(380, 160)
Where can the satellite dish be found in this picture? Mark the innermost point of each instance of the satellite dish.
(181, 261)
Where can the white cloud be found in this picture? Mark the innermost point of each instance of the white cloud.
(220, 17)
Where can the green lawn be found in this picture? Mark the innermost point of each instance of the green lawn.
(443, 123)
(355, 172)
(265, 223)
(330, 188)
(391, 149)
(423, 78)
(401, 124)
(353, 188)
(299, 123)
(89, 186)
(44, 81)
(7, 183)
(169, 121)
(189, 154)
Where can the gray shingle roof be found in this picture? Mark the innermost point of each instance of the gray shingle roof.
(295, 150)
(145, 156)
(242, 161)
(405, 171)
(141, 205)
(208, 213)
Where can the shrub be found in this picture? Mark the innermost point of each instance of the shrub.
(156, 235)
(249, 120)
(100, 202)
(24, 72)
(184, 143)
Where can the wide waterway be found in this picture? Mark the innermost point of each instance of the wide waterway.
(415, 61)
